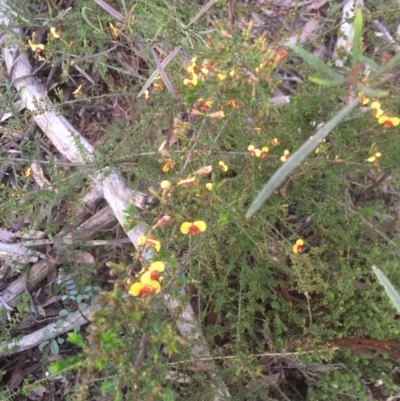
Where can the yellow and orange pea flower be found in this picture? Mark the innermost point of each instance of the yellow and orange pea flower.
(275, 142)
(376, 109)
(148, 283)
(389, 122)
(113, 30)
(54, 33)
(298, 246)
(209, 186)
(223, 166)
(194, 228)
(145, 240)
(193, 81)
(233, 103)
(374, 158)
(167, 166)
(258, 152)
(36, 47)
(158, 86)
(285, 156)
(364, 100)
(203, 104)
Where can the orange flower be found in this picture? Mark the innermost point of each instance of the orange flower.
(167, 166)
(223, 166)
(280, 55)
(389, 122)
(233, 103)
(145, 240)
(35, 47)
(193, 228)
(285, 156)
(298, 247)
(203, 104)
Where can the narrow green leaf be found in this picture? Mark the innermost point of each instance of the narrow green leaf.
(315, 62)
(298, 157)
(369, 62)
(327, 82)
(372, 92)
(84, 16)
(357, 41)
(389, 289)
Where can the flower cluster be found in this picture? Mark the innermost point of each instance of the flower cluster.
(298, 246)
(149, 281)
(382, 117)
(258, 152)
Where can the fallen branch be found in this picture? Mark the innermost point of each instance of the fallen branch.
(75, 148)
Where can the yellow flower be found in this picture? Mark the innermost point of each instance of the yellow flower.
(54, 33)
(275, 142)
(223, 166)
(187, 181)
(167, 166)
(165, 184)
(389, 122)
(191, 82)
(209, 186)
(298, 247)
(257, 129)
(375, 157)
(364, 100)
(144, 240)
(114, 31)
(193, 228)
(285, 156)
(221, 77)
(77, 91)
(35, 47)
(146, 94)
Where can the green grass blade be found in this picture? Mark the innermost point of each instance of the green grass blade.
(327, 82)
(357, 41)
(297, 157)
(388, 286)
(315, 62)
(372, 92)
